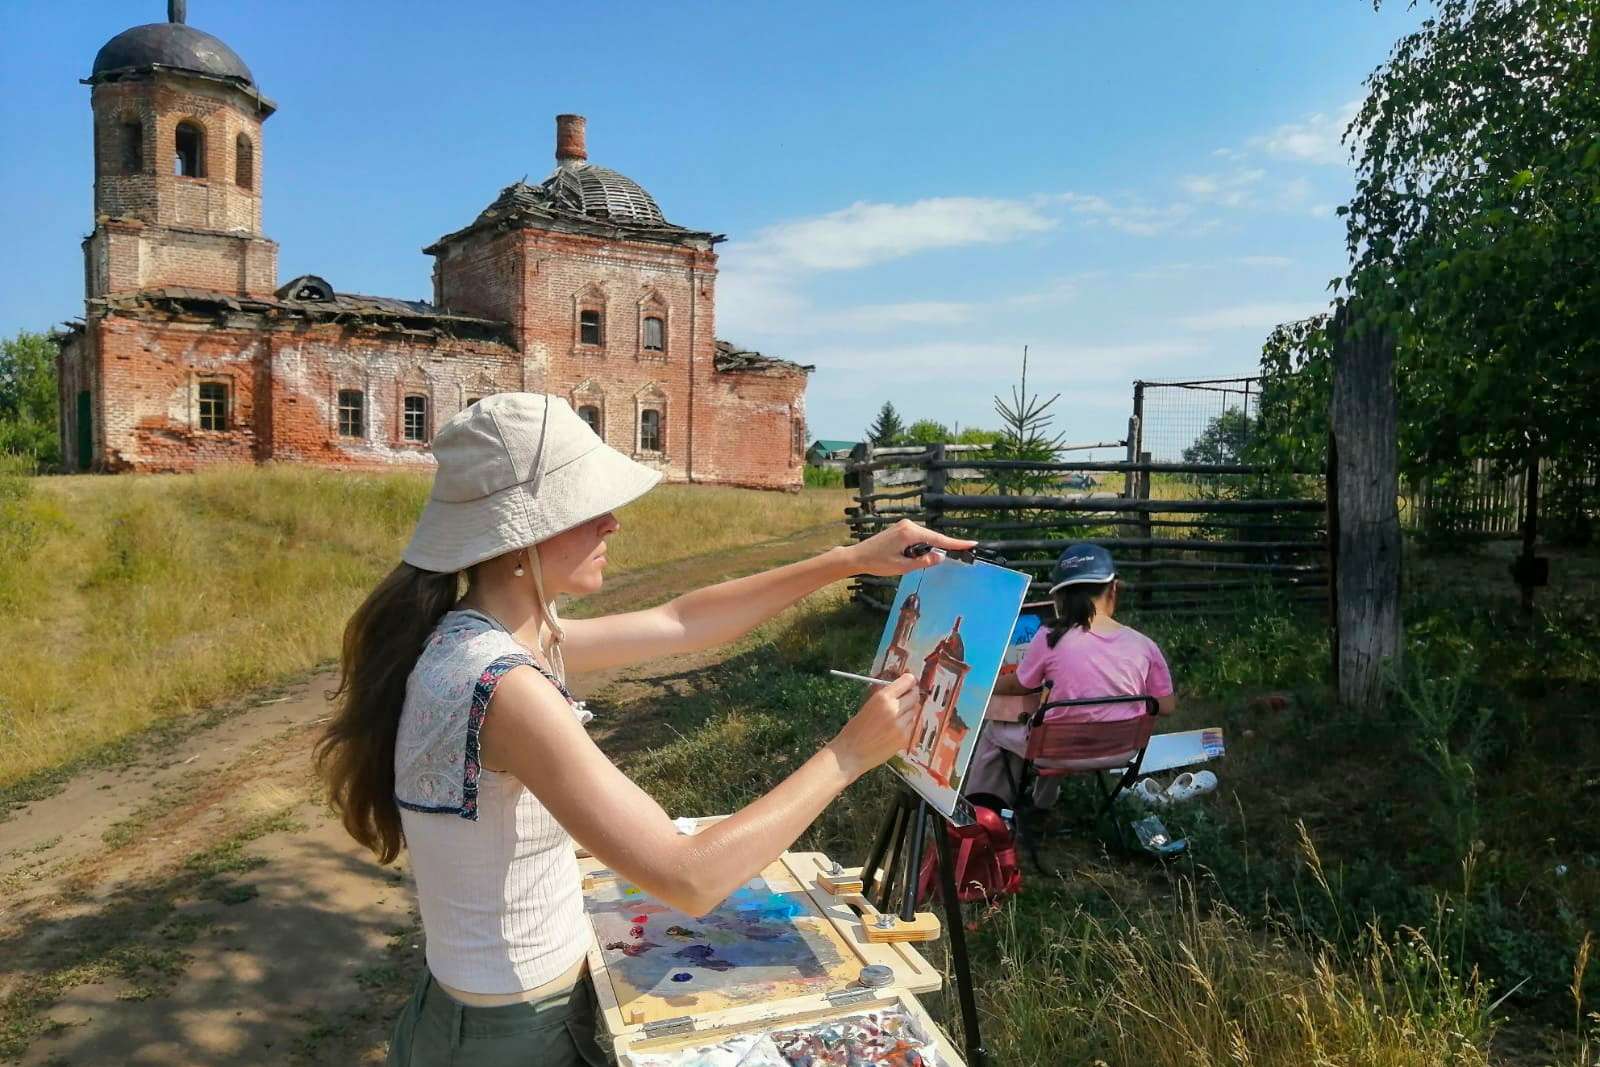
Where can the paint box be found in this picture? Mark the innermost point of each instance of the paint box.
(781, 952)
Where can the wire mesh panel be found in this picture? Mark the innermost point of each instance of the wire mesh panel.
(1206, 421)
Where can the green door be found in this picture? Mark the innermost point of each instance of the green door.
(85, 432)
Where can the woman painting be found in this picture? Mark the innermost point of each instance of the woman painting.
(455, 737)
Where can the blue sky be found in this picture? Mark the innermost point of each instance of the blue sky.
(911, 192)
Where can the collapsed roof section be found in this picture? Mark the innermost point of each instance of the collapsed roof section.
(309, 298)
(731, 359)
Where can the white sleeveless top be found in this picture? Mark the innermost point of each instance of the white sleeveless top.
(497, 880)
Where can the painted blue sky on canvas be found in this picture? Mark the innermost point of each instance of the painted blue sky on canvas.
(912, 192)
(986, 598)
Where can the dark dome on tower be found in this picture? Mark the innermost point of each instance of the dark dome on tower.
(172, 46)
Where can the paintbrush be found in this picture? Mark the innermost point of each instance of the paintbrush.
(860, 677)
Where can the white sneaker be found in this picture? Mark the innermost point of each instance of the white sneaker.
(1188, 786)
(1149, 791)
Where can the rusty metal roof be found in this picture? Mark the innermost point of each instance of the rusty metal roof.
(292, 300)
(732, 359)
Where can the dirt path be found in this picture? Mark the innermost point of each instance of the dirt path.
(201, 906)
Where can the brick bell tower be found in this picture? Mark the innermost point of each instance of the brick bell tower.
(178, 163)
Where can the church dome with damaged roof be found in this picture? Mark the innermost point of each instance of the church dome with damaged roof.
(596, 191)
(171, 45)
(602, 193)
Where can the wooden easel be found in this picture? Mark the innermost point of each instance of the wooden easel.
(885, 892)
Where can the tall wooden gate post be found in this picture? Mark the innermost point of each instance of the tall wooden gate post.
(1365, 456)
(935, 482)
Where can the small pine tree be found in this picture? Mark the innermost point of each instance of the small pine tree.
(1025, 434)
(887, 429)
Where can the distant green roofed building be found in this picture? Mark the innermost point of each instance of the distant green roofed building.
(830, 453)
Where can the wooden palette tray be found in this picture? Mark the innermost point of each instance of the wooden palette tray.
(636, 1019)
(631, 1046)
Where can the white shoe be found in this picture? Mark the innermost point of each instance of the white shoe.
(1187, 786)
(1149, 791)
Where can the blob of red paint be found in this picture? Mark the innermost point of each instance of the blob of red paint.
(640, 919)
(635, 931)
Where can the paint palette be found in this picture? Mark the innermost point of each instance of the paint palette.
(766, 942)
(770, 977)
(887, 1033)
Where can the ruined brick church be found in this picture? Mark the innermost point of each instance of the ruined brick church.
(192, 353)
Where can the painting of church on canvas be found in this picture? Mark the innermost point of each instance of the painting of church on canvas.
(948, 626)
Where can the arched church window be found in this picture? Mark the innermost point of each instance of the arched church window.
(244, 163)
(591, 328)
(130, 138)
(189, 145)
(650, 430)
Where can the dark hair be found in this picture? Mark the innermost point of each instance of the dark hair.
(1075, 607)
(355, 754)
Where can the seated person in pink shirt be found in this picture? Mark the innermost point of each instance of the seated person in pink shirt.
(1084, 653)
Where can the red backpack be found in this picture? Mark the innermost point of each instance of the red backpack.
(985, 857)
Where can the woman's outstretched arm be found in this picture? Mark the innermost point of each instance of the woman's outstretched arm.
(724, 612)
(530, 731)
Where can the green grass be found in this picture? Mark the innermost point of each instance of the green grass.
(131, 602)
(1325, 912)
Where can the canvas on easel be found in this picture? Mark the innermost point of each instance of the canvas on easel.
(948, 626)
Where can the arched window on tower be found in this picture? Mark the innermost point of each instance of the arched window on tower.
(244, 163)
(189, 151)
(130, 137)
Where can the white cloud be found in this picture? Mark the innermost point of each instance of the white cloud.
(865, 234)
(1052, 367)
(1263, 261)
(1131, 216)
(1236, 188)
(1314, 139)
(1259, 317)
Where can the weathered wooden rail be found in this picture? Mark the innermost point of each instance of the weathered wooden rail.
(1176, 553)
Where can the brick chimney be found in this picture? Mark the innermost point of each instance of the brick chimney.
(570, 146)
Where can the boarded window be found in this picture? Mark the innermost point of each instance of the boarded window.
(591, 330)
(591, 414)
(244, 163)
(131, 144)
(189, 151)
(213, 405)
(650, 430)
(352, 413)
(416, 418)
(655, 335)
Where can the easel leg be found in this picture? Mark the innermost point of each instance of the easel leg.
(977, 1055)
(913, 869)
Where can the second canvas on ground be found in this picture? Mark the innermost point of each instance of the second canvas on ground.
(949, 626)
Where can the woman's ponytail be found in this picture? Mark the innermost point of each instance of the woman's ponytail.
(355, 754)
(1074, 607)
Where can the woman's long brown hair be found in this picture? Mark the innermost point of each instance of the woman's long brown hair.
(355, 754)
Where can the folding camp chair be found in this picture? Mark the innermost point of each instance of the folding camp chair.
(1057, 748)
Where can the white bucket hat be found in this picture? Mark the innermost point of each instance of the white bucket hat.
(516, 469)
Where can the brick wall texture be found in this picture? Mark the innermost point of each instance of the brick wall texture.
(181, 310)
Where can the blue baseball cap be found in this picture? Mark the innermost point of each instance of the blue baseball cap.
(1082, 565)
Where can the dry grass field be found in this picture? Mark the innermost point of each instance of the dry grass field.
(127, 600)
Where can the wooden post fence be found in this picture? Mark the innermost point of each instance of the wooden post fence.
(1365, 524)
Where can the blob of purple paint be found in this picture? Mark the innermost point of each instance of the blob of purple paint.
(682, 976)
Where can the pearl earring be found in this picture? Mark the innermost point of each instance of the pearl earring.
(518, 571)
